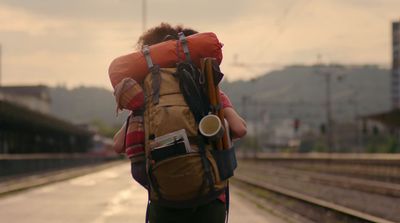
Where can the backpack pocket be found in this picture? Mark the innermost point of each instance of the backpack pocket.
(182, 177)
(226, 162)
(171, 114)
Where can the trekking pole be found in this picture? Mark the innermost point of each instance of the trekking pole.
(213, 93)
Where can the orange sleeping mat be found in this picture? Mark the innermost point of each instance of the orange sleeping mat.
(165, 54)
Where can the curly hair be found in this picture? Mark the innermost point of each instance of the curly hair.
(162, 32)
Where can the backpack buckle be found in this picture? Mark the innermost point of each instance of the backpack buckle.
(185, 47)
(146, 53)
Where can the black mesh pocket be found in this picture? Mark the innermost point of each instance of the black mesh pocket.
(172, 150)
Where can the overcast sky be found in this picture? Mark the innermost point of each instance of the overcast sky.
(73, 42)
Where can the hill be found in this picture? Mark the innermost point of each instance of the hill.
(300, 92)
(85, 104)
(292, 92)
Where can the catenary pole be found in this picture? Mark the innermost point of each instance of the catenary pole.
(144, 14)
(0, 63)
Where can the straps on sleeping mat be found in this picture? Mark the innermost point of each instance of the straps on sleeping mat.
(155, 72)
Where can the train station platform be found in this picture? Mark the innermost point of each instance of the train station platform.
(105, 196)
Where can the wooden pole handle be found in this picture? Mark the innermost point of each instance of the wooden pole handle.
(215, 101)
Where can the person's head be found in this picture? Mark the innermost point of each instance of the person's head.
(162, 32)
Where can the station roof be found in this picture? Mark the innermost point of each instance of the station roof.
(16, 115)
(38, 91)
(389, 118)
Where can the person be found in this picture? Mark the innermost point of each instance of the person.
(215, 211)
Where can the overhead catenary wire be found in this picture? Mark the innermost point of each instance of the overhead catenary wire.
(144, 15)
(282, 25)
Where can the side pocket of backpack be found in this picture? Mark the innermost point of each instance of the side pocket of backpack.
(226, 162)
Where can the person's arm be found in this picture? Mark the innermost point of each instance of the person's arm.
(236, 123)
(119, 138)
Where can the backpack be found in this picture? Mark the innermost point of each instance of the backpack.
(183, 168)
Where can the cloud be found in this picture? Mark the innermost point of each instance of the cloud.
(45, 49)
(74, 41)
(18, 20)
(340, 32)
(100, 10)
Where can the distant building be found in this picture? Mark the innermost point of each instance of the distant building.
(389, 121)
(36, 98)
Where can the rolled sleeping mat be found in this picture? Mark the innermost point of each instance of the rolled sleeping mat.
(165, 54)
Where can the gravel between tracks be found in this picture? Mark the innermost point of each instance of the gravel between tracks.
(379, 205)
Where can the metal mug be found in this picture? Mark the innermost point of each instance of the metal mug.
(211, 127)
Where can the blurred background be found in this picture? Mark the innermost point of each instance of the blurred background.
(318, 83)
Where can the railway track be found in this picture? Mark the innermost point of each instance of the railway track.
(378, 167)
(360, 184)
(326, 188)
(331, 212)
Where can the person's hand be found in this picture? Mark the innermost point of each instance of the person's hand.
(119, 138)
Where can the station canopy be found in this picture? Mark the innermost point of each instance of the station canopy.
(18, 116)
(390, 118)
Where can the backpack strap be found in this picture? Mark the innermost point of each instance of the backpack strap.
(227, 197)
(183, 41)
(147, 220)
(205, 162)
(146, 53)
(155, 72)
(192, 92)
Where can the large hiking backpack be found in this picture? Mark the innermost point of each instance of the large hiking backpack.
(185, 172)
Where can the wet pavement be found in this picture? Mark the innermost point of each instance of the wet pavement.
(106, 196)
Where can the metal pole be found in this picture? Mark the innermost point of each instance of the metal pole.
(244, 115)
(256, 130)
(144, 15)
(0, 64)
(357, 120)
(329, 119)
(395, 64)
